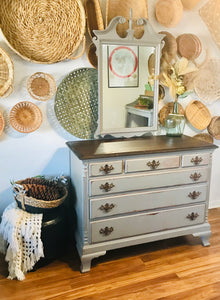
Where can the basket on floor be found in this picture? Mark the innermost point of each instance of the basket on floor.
(43, 31)
(198, 115)
(6, 74)
(37, 194)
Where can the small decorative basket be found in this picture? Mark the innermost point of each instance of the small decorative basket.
(214, 127)
(94, 16)
(34, 195)
(189, 46)
(2, 123)
(168, 109)
(204, 137)
(6, 74)
(41, 86)
(198, 115)
(169, 12)
(44, 31)
(25, 117)
(91, 55)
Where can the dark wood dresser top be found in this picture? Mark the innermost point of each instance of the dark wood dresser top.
(93, 149)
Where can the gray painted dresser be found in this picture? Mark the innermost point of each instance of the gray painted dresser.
(138, 190)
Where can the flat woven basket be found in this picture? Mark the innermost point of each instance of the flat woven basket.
(2, 123)
(41, 86)
(121, 8)
(94, 16)
(207, 81)
(6, 74)
(38, 193)
(43, 31)
(76, 103)
(25, 117)
(214, 127)
(198, 115)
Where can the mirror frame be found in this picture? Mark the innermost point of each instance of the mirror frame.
(108, 37)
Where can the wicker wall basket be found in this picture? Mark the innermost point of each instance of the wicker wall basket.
(214, 127)
(34, 195)
(94, 16)
(6, 74)
(41, 86)
(44, 31)
(2, 123)
(25, 117)
(168, 109)
(198, 115)
(206, 137)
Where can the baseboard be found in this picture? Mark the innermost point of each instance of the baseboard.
(214, 204)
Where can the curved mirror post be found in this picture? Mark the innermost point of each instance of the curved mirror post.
(127, 102)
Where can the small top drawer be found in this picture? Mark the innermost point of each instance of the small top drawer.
(197, 159)
(152, 163)
(105, 168)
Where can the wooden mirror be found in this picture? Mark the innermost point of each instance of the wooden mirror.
(125, 107)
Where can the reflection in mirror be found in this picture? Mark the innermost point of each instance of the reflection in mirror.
(128, 85)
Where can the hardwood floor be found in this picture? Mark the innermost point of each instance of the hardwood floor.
(173, 269)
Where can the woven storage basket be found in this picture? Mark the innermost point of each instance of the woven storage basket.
(94, 16)
(38, 193)
(214, 127)
(25, 117)
(204, 137)
(168, 109)
(6, 74)
(41, 86)
(198, 115)
(121, 8)
(2, 123)
(43, 31)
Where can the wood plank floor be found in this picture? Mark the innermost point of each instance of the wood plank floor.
(173, 269)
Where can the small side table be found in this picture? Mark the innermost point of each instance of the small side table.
(142, 112)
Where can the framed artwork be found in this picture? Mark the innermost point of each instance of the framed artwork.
(122, 66)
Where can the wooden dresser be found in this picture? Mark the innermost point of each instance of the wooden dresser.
(138, 190)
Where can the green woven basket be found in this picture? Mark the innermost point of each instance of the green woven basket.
(76, 103)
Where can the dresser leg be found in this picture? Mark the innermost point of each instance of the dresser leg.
(86, 260)
(204, 237)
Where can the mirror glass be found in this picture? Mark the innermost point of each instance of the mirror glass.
(127, 102)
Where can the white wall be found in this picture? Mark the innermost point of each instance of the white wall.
(44, 152)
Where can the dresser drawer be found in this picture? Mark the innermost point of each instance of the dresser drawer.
(152, 163)
(143, 181)
(197, 159)
(105, 168)
(116, 228)
(136, 202)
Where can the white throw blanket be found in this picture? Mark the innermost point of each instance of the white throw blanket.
(20, 240)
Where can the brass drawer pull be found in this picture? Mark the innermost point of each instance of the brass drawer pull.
(194, 195)
(107, 187)
(195, 176)
(192, 216)
(106, 169)
(107, 207)
(106, 230)
(153, 164)
(196, 161)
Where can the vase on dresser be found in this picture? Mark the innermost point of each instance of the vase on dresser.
(175, 122)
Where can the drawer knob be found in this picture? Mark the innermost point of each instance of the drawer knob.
(107, 186)
(196, 161)
(194, 195)
(195, 176)
(107, 207)
(106, 169)
(192, 216)
(106, 230)
(153, 164)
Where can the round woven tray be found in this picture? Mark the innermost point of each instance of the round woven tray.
(41, 86)
(168, 109)
(25, 117)
(207, 81)
(2, 123)
(76, 103)
(214, 127)
(169, 12)
(6, 74)
(198, 114)
(204, 137)
(94, 16)
(43, 31)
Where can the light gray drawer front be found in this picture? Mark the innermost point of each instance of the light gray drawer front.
(140, 201)
(105, 168)
(197, 159)
(115, 228)
(134, 182)
(152, 163)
